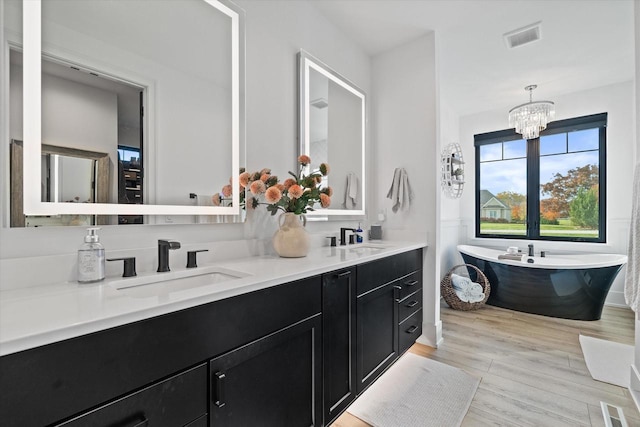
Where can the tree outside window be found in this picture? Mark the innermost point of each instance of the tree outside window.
(548, 188)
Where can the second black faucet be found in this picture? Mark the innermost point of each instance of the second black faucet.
(164, 246)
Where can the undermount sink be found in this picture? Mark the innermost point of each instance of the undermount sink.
(369, 246)
(166, 283)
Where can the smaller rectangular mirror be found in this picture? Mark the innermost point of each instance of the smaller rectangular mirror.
(68, 175)
(332, 122)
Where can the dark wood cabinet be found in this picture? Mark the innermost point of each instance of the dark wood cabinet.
(385, 287)
(339, 341)
(272, 382)
(377, 333)
(295, 354)
(89, 371)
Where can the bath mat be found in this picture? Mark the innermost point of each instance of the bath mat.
(607, 361)
(417, 391)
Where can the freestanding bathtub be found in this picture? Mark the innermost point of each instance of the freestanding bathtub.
(566, 286)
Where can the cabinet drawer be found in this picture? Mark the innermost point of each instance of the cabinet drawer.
(409, 331)
(379, 272)
(176, 401)
(409, 284)
(409, 305)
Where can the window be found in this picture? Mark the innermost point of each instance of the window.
(548, 188)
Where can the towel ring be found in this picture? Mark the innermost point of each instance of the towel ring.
(452, 171)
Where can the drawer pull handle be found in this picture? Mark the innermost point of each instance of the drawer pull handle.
(411, 283)
(412, 329)
(219, 386)
(412, 304)
(344, 274)
(143, 423)
(398, 287)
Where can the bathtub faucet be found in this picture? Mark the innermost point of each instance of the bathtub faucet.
(530, 249)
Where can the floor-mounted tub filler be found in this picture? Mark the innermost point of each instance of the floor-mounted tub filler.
(566, 286)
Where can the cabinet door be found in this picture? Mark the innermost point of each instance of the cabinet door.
(377, 334)
(339, 341)
(273, 381)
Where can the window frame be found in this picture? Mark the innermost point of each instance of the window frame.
(532, 229)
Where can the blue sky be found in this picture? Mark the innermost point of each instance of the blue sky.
(510, 175)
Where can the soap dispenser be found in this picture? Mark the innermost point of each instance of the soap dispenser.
(359, 238)
(91, 258)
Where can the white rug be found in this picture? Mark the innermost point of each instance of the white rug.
(607, 361)
(419, 392)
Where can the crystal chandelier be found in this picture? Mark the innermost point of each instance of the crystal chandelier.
(531, 118)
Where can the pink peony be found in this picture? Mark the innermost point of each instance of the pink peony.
(273, 195)
(226, 190)
(295, 191)
(328, 191)
(265, 171)
(304, 159)
(280, 187)
(264, 177)
(325, 201)
(244, 179)
(257, 187)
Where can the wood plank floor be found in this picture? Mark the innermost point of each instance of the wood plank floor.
(531, 367)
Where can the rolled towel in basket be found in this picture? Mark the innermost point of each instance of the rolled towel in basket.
(468, 296)
(467, 290)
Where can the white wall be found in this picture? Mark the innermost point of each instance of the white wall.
(404, 115)
(275, 31)
(617, 100)
(74, 115)
(635, 368)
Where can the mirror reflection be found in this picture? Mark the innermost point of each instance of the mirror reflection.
(332, 131)
(114, 80)
(68, 175)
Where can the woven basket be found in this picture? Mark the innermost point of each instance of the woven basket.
(449, 295)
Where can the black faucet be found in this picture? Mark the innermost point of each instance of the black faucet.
(530, 250)
(343, 240)
(163, 253)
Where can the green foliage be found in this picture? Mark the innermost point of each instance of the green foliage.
(545, 221)
(584, 208)
(564, 188)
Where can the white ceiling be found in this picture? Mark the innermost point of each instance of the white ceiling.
(585, 44)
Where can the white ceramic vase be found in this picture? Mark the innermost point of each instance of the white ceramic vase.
(291, 240)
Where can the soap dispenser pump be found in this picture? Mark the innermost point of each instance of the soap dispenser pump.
(91, 258)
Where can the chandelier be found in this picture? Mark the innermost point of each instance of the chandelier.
(531, 118)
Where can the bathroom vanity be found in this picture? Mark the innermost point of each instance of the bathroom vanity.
(293, 351)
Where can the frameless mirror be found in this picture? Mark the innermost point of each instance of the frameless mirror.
(332, 130)
(156, 86)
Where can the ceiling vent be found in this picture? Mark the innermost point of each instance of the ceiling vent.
(522, 36)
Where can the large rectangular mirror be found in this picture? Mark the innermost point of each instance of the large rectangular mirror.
(156, 86)
(332, 114)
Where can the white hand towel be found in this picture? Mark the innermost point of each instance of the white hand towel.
(351, 192)
(632, 279)
(400, 192)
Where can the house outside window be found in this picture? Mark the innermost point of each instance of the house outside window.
(549, 188)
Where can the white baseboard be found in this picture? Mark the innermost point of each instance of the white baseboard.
(431, 334)
(634, 386)
(616, 299)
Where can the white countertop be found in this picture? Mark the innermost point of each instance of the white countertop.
(35, 316)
